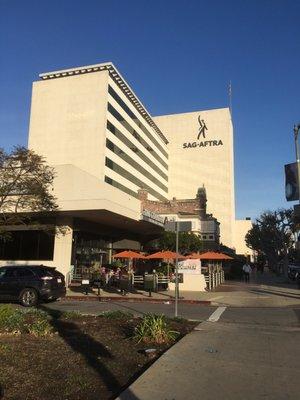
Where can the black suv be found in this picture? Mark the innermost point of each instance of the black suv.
(31, 283)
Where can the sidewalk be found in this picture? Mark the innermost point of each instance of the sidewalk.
(224, 361)
(265, 290)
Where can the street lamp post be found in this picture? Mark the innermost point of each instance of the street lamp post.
(296, 133)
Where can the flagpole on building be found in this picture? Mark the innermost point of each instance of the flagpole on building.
(230, 97)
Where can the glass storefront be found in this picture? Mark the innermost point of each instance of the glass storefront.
(89, 253)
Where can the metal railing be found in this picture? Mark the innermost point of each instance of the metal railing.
(214, 279)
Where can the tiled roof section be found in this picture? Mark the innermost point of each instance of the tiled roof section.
(117, 77)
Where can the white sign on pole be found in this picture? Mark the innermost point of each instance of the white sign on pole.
(189, 266)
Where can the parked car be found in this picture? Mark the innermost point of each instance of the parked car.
(30, 284)
(292, 271)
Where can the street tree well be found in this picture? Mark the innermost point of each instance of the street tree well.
(272, 235)
(25, 187)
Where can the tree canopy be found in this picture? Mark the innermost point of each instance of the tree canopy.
(187, 242)
(272, 235)
(25, 186)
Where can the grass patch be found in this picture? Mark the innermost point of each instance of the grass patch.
(18, 321)
(154, 329)
(71, 315)
(4, 348)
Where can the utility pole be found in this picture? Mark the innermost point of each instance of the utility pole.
(296, 133)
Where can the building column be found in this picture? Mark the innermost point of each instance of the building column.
(63, 245)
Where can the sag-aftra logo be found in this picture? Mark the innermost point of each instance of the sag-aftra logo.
(202, 131)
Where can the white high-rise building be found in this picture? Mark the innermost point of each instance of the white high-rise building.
(104, 145)
(201, 153)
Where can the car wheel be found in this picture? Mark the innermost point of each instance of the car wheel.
(28, 297)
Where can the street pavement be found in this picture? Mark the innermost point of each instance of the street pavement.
(245, 347)
(265, 290)
(238, 352)
(189, 311)
(247, 354)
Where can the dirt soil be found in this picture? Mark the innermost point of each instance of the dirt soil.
(87, 358)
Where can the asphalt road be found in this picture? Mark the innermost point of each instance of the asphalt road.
(188, 311)
(270, 316)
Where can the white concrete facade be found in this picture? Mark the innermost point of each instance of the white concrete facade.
(241, 228)
(89, 120)
(205, 160)
(104, 146)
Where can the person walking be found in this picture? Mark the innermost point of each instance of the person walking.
(247, 270)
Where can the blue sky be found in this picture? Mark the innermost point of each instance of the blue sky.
(178, 56)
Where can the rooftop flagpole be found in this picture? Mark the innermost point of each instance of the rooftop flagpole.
(230, 97)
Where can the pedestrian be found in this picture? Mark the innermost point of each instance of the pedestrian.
(247, 270)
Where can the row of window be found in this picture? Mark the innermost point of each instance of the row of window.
(132, 147)
(207, 237)
(126, 125)
(120, 153)
(124, 106)
(131, 178)
(120, 186)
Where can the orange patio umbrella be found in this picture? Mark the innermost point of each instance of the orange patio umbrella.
(170, 255)
(128, 254)
(211, 255)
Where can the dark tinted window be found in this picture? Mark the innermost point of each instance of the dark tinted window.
(135, 119)
(115, 149)
(44, 271)
(120, 186)
(127, 175)
(23, 272)
(28, 245)
(129, 128)
(133, 148)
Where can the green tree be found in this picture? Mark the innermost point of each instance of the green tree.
(273, 236)
(25, 187)
(187, 242)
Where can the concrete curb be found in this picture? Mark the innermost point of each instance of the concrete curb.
(134, 300)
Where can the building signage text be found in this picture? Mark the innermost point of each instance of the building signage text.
(152, 217)
(205, 143)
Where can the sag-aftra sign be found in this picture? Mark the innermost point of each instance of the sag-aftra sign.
(205, 143)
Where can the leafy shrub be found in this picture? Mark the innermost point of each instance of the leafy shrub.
(154, 329)
(4, 348)
(71, 315)
(33, 321)
(11, 319)
(40, 327)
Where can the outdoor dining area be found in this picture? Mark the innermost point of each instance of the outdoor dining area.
(131, 271)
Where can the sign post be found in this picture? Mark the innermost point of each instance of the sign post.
(176, 226)
(176, 272)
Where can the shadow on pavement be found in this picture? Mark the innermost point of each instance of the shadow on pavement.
(272, 292)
